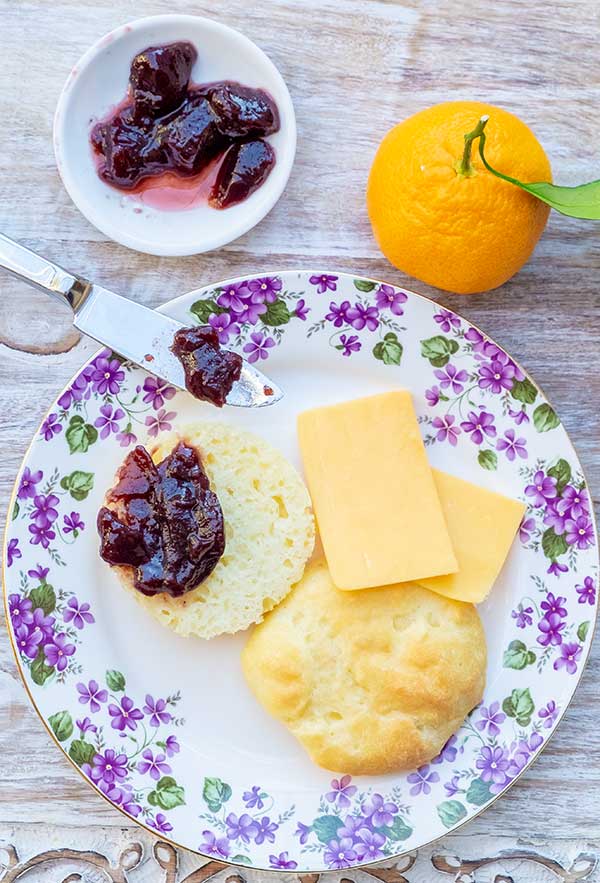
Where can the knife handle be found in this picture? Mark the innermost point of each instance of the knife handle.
(37, 271)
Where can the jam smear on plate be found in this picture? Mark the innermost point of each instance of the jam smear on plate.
(169, 125)
(210, 372)
(167, 524)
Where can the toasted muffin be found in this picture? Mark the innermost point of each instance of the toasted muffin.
(369, 681)
(269, 533)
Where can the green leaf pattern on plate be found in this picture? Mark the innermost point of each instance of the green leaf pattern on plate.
(474, 402)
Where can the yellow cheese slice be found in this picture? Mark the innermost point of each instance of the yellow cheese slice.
(373, 492)
(482, 526)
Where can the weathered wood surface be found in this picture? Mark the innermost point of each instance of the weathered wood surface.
(354, 67)
(101, 855)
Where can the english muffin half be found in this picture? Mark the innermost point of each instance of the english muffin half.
(269, 533)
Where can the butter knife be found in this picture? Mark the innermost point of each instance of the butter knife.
(137, 333)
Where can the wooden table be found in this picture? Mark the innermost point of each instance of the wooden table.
(354, 68)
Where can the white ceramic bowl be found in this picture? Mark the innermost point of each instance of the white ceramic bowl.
(99, 81)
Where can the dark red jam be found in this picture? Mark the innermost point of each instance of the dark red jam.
(171, 125)
(245, 167)
(210, 372)
(167, 523)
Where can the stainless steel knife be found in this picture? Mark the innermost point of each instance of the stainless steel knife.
(138, 333)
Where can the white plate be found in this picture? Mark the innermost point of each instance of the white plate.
(99, 81)
(239, 775)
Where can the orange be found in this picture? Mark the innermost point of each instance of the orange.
(461, 232)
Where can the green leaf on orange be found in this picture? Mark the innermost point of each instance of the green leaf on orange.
(582, 201)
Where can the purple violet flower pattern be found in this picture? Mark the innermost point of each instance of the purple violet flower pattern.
(84, 725)
(57, 652)
(473, 400)
(569, 657)
(447, 321)
(154, 765)
(27, 641)
(451, 377)
(215, 846)
(73, 524)
(258, 346)
(379, 811)
(267, 287)
(108, 421)
(160, 823)
(50, 427)
(523, 616)
(224, 325)
(525, 529)
(78, 613)
(389, 298)
(550, 627)
(493, 763)
(160, 423)
(125, 716)
(490, 719)
(234, 297)
(12, 552)
(254, 798)
(549, 714)
(421, 780)
(107, 375)
(156, 709)
(449, 751)
(587, 591)
(92, 694)
(340, 854)
(446, 430)
(157, 392)
(338, 315)
(131, 770)
(52, 617)
(512, 446)
(28, 484)
(433, 396)
(244, 828)
(282, 862)
(341, 792)
(479, 426)
(360, 317)
(301, 312)
(172, 746)
(542, 489)
(324, 282)
(349, 343)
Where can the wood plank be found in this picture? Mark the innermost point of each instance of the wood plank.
(355, 67)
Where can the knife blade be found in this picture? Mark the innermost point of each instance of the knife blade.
(141, 335)
(144, 336)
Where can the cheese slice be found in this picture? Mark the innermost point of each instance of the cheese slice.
(375, 500)
(482, 527)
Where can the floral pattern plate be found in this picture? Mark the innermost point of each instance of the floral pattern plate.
(165, 728)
